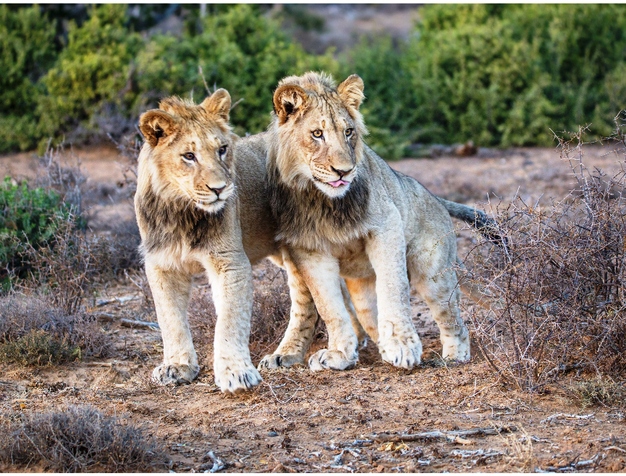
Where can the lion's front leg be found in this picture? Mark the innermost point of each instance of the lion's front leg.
(398, 341)
(170, 291)
(231, 282)
(302, 320)
(321, 274)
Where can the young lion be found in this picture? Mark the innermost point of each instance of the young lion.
(344, 212)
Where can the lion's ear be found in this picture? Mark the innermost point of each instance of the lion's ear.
(351, 91)
(218, 103)
(156, 124)
(288, 100)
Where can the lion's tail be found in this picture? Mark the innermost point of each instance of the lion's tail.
(487, 226)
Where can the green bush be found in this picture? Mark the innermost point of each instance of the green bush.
(38, 348)
(240, 50)
(388, 102)
(26, 52)
(500, 75)
(30, 219)
(36, 332)
(91, 82)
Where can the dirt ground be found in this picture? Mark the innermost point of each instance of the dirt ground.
(351, 421)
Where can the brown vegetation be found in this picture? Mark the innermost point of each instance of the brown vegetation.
(372, 418)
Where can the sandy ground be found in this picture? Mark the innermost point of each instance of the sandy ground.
(299, 421)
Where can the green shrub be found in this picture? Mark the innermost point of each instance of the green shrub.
(90, 86)
(388, 109)
(502, 75)
(30, 219)
(240, 50)
(602, 392)
(38, 348)
(26, 52)
(505, 74)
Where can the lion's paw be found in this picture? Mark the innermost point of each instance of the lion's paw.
(175, 374)
(405, 354)
(278, 361)
(457, 350)
(331, 359)
(237, 378)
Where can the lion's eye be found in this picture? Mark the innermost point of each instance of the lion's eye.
(317, 133)
(189, 157)
(222, 150)
(349, 132)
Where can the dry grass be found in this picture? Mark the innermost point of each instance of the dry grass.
(79, 439)
(602, 392)
(35, 332)
(560, 284)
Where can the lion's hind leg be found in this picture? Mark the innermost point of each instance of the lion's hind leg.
(438, 286)
(170, 291)
(321, 274)
(302, 320)
(364, 314)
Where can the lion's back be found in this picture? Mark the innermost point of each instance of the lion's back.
(257, 222)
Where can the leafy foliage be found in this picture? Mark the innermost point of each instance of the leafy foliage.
(91, 78)
(502, 75)
(499, 74)
(26, 53)
(30, 218)
(239, 50)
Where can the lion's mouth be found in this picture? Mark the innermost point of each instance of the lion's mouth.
(338, 183)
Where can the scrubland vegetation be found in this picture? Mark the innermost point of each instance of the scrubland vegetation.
(499, 75)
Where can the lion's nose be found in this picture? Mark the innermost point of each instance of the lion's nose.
(217, 190)
(342, 172)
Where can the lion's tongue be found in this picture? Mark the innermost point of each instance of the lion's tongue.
(338, 183)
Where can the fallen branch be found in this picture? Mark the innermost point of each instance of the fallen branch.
(481, 454)
(218, 464)
(567, 416)
(450, 436)
(146, 325)
(615, 448)
(570, 467)
(108, 317)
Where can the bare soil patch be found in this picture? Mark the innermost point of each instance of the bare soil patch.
(299, 421)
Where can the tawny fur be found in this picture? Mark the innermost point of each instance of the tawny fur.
(344, 212)
(183, 235)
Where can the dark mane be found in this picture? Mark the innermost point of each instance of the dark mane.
(309, 215)
(172, 222)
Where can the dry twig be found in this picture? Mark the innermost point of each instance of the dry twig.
(450, 436)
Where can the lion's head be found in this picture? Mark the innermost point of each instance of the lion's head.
(191, 154)
(319, 131)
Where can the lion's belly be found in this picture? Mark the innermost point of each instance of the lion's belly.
(353, 261)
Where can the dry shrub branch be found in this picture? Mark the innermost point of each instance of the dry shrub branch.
(560, 284)
(80, 439)
(35, 332)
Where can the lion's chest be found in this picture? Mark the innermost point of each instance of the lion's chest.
(353, 261)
